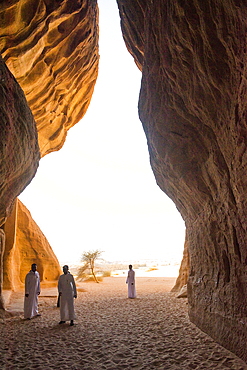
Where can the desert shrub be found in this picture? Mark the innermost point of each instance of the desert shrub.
(106, 274)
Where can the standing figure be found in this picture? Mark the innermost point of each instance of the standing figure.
(67, 293)
(131, 283)
(32, 290)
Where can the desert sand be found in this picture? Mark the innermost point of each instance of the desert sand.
(111, 331)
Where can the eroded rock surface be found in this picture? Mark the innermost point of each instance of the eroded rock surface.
(19, 150)
(26, 244)
(184, 269)
(2, 248)
(51, 47)
(193, 109)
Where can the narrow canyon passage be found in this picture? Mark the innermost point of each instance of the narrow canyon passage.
(113, 332)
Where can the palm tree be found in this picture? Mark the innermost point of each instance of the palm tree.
(89, 259)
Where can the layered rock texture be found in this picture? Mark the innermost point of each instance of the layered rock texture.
(193, 109)
(2, 248)
(51, 47)
(184, 270)
(26, 244)
(19, 150)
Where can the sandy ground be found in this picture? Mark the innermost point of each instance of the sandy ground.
(111, 332)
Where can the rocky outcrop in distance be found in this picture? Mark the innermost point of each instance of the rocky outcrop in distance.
(193, 109)
(51, 47)
(26, 244)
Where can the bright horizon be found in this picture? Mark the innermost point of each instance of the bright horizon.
(98, 191)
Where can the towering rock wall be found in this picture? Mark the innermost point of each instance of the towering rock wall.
(51, 47)
(193, 109)
(26, 244)
(19, 150)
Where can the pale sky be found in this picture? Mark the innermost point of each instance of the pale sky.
(98, 191)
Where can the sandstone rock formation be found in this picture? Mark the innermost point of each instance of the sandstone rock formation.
(19, 151)
(183, 293)
(184, 270)
(2, 247)
(193, 109)
(52, 50)
(51, 47)
(26, 244)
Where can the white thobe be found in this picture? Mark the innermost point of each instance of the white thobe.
(66, 286)
(131, 284)
(32, 288)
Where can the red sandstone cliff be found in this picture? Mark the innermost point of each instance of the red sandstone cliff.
(51, 47)
(26, 244)
(52, 50)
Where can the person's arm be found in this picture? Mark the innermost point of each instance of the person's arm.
(74, 287)
(27, 285)
(38, 288)
(59, 287)
(133, 278)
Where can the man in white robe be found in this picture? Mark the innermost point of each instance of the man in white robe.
(32, 290)
(131, 283)
(67, 292)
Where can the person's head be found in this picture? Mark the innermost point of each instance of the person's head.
(130, 267)
(34, 267)
(65, 269)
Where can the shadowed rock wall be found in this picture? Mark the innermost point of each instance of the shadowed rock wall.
(19, 150)
(51, 47)
(26, 244)
(193, 109)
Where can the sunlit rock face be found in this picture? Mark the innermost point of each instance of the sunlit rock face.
(51, 47)
(2, 248)
(193, 109)
(26, 244)
(19, 150)
(184, 269)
